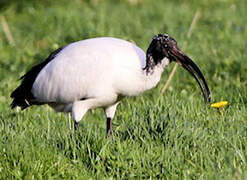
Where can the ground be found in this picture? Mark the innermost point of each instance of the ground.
(170, 136)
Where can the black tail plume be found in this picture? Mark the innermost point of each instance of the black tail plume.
(22, 95)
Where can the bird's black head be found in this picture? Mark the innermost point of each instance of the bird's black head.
(164, 46)
(160, 46)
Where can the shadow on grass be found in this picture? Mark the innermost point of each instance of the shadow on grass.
(149, 128)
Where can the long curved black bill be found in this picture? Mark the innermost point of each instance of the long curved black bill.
(193, 69)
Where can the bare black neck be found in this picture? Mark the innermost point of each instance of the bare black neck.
(152, 60)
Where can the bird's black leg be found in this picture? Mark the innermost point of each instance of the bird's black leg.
(76, 125)
(109, 126)
(110, 111)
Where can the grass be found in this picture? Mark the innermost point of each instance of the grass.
(170, 137)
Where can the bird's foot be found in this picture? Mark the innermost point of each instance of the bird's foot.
(76, 125)
(109, 133)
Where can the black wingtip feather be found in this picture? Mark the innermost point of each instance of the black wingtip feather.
(22, 95)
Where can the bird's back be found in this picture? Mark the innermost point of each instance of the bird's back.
(89, 68)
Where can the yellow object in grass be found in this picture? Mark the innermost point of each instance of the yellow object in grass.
(220, 104)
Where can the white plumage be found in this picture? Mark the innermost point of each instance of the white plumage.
(91, 73)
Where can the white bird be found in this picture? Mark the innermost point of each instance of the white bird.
(98, 72)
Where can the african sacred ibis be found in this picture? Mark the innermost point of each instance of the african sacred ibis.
(95, 72)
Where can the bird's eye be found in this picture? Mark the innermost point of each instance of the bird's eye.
(165, 45)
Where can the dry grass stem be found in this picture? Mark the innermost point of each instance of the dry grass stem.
(7, 31)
